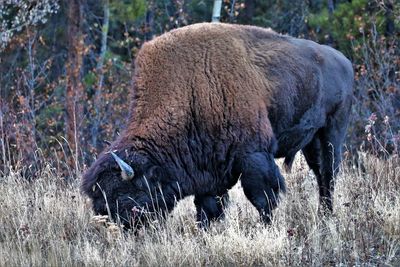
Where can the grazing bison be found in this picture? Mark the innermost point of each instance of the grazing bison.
(213, 103)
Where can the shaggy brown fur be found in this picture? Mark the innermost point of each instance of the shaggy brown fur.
(216, 101)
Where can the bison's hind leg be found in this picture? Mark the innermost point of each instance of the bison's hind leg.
(262, 182)
(210, 208)
(312, 153)
(324, 153)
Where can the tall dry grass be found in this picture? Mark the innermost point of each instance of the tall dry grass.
(48, 222)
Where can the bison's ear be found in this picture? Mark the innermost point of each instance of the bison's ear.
(127, 172)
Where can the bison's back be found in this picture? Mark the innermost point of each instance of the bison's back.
(202, 75)
(236, 82)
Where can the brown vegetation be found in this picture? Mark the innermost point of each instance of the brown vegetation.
(46, 222)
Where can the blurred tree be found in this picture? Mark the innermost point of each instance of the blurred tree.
(216, 11)
(248, 14)
(17, 15)
(21, 77)
(351, 20)
(284, 16)
(100, 72)
(390, 26)
(74, 88)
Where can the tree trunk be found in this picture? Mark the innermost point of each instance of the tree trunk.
(98, 94)
(389, 27)
(249, 9)
(74, 87)
(149, 21)
(331, 9)
(216, 15)
(232, 13)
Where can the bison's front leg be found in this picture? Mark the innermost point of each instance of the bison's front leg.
(262, 182)
(210, 208)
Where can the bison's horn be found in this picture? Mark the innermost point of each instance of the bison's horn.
(126, 170)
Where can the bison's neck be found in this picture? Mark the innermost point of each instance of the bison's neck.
(198, 162)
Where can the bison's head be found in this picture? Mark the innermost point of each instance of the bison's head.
(129, 187)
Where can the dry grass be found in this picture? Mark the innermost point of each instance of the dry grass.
(46, 222)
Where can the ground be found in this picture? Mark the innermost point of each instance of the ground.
(48, 222)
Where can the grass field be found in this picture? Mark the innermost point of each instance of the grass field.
(48, 222)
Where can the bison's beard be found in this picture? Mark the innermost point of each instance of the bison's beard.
(131, 206)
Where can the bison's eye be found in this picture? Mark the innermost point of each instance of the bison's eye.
(139, 182)
(154, 173)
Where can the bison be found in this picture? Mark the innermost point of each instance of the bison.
(213, 103)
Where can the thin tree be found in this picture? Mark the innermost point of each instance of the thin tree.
(149, 34)
(249, 11)
(74, 88)
(232, 12)
(216, 11)
(100, 72)
(331, 9)
(389, 17)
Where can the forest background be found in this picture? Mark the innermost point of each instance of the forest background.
(66, 68)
